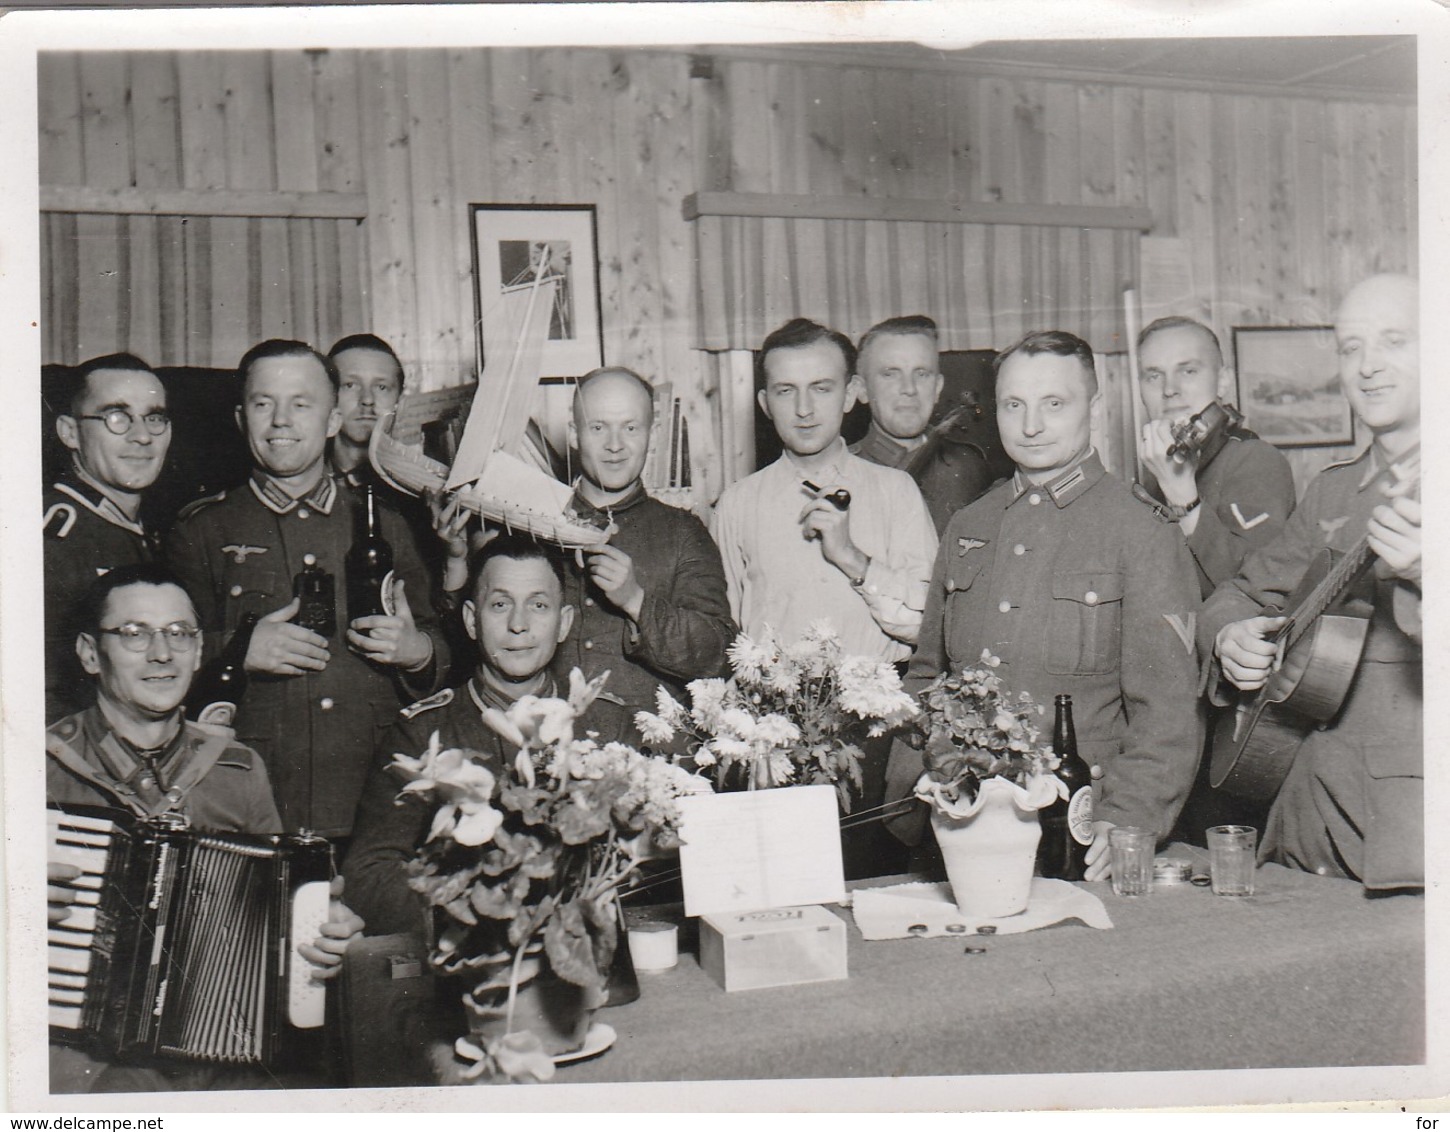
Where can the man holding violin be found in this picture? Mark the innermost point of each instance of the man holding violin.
(1229, 491)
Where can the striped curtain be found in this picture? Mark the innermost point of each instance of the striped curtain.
(985, 284)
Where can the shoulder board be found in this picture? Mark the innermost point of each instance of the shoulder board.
(198, 504)
(59, 519)
(436, 700)
(1349, 463)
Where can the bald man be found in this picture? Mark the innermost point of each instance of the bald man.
(1352, 803)
(652, 603)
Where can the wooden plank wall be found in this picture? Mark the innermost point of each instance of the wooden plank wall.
(1284, 202)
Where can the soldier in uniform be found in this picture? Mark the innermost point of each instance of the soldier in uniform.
(118, 432)
(1226, 505)
(518, 616)
(1353, 801)
(652, 606)
(314, 703)
(1231, 503)
(1064, 583)
(139, 640)
(899, 376)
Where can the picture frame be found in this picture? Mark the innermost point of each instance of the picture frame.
(1288, 387)
(510, 241)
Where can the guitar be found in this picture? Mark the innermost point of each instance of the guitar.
(1320, 644)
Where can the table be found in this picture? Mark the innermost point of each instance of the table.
(1310, 971)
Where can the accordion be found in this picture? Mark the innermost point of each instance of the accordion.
(180, 944)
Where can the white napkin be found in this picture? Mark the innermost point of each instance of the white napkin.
(887, 913)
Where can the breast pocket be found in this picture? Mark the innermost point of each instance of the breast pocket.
(249, 589)
(1086, 626)
(958, 584)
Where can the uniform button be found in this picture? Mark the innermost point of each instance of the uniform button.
(588, 603)
(236, 591)
(588, 645)
(1019, 549)
(951, 586)
(1090, 597)
(303, 513)
(1004, 607)
(1034, 499)
(325, 703)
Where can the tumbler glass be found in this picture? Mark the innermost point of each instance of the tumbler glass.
(1231, 858)
(1132, 857)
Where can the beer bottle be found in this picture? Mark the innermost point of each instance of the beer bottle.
(316, 594)
(368, 566)
(1067, 824)
(217, 693)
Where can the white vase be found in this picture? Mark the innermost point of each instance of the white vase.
(990, 853)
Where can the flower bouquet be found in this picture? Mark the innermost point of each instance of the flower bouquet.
(986, 777)
(524, 863)
(789, 715)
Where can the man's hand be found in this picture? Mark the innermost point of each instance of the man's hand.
(1176, 476)
(280, 648)
(613, 572)
(59, 896)
(1394, 535)
(392, 639)
(1099, 860)
(1248, 658)
(821, 519)
(342, 927)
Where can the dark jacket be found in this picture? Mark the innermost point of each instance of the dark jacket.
(387, 831)
(957, 472)
(684, 625)
(238, 553)
(85, 535)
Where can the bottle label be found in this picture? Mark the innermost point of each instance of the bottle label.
(1080, 815)
(385, 595)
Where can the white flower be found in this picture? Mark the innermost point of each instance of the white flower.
(776, 730)
(668, 708)
(653, 728)
(706, 696)
(748, 659)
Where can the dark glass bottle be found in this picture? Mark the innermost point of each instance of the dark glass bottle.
(368, 566)
(316, 592)
(217, 692)
(1067, 824)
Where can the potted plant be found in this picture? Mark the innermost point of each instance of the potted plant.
(523, 865)
(788, 715)
(986, 776)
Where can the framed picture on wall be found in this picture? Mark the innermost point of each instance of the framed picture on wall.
(1288, 386)
(515, 244)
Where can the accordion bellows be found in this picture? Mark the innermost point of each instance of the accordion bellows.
(182, 945)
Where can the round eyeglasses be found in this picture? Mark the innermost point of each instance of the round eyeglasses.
(119, 421)
(137, 638)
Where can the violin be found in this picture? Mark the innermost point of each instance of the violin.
(1202, 435)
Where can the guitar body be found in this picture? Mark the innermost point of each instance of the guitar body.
(1254, 743)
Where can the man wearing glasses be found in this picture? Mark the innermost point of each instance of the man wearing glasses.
(118, 432)
(138, 639)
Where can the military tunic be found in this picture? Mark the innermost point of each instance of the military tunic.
(238, 552)
(85, 535)
(684, 624)
(388, 832)
(1073, 587)
(1247, 493)
(1352, 804)
(956, 474)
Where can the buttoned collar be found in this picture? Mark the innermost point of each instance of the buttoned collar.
(583, 507)
(1063, 488)
(880, 448)
(89, 495)
(274, 498)
(485, 697)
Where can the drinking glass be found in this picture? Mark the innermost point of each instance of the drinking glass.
(1231, 859)
(1132, 857)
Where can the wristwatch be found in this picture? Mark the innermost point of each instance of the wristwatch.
(1175, 512)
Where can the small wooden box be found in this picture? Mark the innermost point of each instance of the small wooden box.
(776, 947)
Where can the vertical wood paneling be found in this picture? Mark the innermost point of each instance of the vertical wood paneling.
(338, 99)
(155, 124)
(386, 162)
(293, 123)
(58, 85)
(469, 136)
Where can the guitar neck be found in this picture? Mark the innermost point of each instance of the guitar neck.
(1345, 573)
